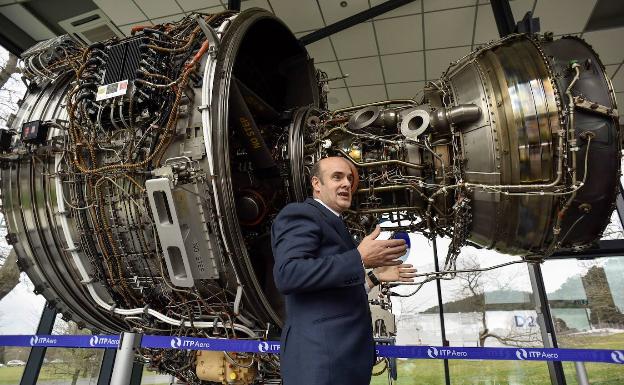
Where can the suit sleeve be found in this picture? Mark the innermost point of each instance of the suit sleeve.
(297, 236)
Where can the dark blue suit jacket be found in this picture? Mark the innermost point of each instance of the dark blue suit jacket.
(327, 337)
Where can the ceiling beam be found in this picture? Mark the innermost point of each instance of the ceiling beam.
(353, 20)
(234, 5)
(503, 17)
(13, 38)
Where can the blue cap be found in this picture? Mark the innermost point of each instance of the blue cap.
(402, 235)
(405, 236)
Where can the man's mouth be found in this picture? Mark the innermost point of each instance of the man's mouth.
(344, 194)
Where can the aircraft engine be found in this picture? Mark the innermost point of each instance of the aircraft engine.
(141, 175)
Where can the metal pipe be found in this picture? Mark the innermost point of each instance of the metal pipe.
(571, 139)
(581, 373)
(574, 149)
(442, 118)
(434, 245)
(381, 162)
(442, 273)
(388, 209)
(381, 103)
(396, 188)
(124, 359)
(373, 116)
(387, 188)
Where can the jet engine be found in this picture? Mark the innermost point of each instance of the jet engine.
(140, 176)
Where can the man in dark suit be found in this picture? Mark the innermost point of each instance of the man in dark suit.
(327, 337)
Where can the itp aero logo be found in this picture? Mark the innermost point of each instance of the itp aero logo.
(522, 354)
(176, 342)
(617, 357)
(42, 341)
(268, 347)
(432, 352)
(93, 341)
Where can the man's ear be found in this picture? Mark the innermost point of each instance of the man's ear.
(316, 182)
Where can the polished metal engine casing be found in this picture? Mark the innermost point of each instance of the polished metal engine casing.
(515, 141)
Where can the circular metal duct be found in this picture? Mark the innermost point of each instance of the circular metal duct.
(516, 143)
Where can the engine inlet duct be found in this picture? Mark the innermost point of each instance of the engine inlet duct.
(145, 172)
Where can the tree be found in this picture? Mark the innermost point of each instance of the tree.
(614, 229)
(10, 92)
(9, 274)
(72, 363)
(472, 292)
(11, 88)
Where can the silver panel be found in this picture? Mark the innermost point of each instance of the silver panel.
(187, 256)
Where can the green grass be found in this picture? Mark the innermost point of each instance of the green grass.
(12, 375)
(468, 372)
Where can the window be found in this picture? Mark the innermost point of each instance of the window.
(587, 304)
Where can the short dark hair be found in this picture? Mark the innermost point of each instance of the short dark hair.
(316, 170)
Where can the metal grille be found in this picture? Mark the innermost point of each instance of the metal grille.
(122, 62)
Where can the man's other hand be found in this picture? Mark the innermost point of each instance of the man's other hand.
(400, 273)
(376, 253)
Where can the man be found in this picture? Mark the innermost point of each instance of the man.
(328, 338)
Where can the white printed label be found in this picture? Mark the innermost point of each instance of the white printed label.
(112, 90)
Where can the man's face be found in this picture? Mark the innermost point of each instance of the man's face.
(334, 187)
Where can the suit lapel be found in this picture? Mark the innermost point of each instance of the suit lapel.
(334, 221)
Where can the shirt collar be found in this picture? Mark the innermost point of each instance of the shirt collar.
(327, 207)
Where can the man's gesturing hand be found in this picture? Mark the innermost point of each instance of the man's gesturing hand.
(376, 253)
(400, 273)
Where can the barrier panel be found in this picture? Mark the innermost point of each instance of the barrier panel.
(272, 347)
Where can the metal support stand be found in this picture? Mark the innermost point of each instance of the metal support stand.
(528, 24)
(581, 373)
(447, 375)
(544, 320)
(234, 5)
(350, 21)
(503, 17)
(392, 362)
(619, 204)
(35, 359)
(137, 373)
(106, 369)
(125, 370)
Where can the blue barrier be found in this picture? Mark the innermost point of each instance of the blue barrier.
(64, 341)
(254, 346)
